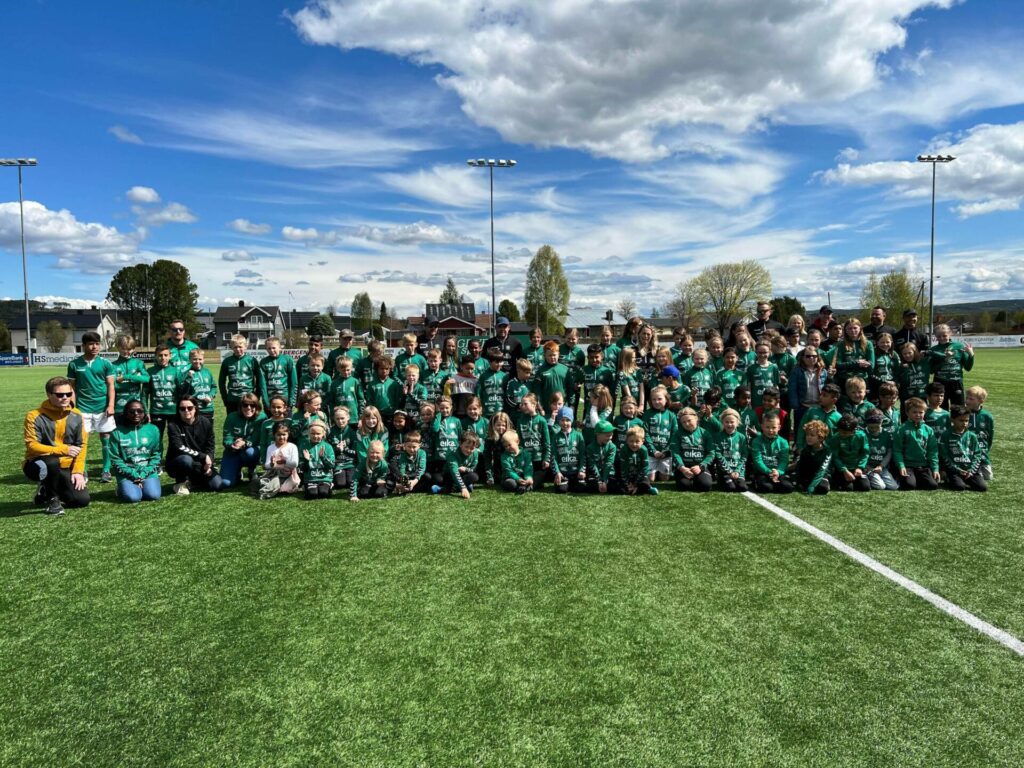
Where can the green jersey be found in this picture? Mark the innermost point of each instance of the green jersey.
(859, 410)
(915, 446)
(592, 376)
(983, 425)
(348, 393)
(659, 429)
(568, 452)
(180, 354)
(236, 426)
(135, 451)
(130, 379)
(343, 443)
(623, 425)
(361, 443)
(407, 468)
(890, 420)
(960, 452)
(386, 395)
(200, 385)
(321, 384)
(403, 359)
(91, 378)
(699, 380)
(433, 382)
(633, 465)
(368, 474)
(447, 431)
(848, 361)
(480, 365)
(490, 388)
(690, 449)
(762, 377)
(938, 420)
(415, 396)
(238, 376)
(785, 361)
(885, 368)
(319, 467)
(534, 436)
(515, 391)
(849, 452)
(478, 427)
(879, 449)
(815, 413)
(729, 379)
(601, 461)
(364, 371)
(277, 377)
(769, 454)
(551, 379)
(456, 460)
(627, 385)
(353, 354)
(731, 451)
(164, 385)
(949, 361)
(678, 396)
(913, 379)
(516, 466)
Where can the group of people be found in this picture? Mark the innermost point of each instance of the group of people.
(770, 408)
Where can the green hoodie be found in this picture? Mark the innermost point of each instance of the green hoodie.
(915, 446)
(135, 451)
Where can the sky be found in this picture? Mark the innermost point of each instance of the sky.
(296, 153)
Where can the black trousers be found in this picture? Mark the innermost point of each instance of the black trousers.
(570, 483)
(917, 479)
(373, 491)
(641, 487)
(701, 483)
(343, 478)
(858, 484)
(764, 484)
(55, 481)
(954, 392)
(731, 484)
(508, 484)
(973, 483)
(319, 490)
(469, 478)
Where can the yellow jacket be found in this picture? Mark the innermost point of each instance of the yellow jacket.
(49, 431)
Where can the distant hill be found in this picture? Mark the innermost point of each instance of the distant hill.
(963, 308)
(12, 308)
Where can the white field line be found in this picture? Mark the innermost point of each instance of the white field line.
(995, 633)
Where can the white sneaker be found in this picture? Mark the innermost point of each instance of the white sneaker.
(180, 489)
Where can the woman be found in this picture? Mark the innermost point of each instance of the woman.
(241, 441)
(797, 321)
(135, 455)
(190, 449)
(646, 348)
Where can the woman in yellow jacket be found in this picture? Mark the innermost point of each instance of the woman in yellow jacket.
(55, 448)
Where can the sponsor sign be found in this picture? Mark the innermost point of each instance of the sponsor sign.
(8, 358)
(993, 341)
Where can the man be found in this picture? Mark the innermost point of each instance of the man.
(877, 326)
(764, 321)
(511, 349)
(823, 320)
(909, 332)
(55, 448)
(181, 348)
(316, 345)
(344, 349)
(428, 340)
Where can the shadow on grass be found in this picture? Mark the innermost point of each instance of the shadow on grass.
(20, 508)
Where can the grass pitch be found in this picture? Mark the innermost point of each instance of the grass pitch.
(671, 630)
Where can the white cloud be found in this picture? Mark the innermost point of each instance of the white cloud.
(121, 133)
(247, 273)
(450, 185)
(237, 255)
(614, 78)
(730, 184)
(882, 264)
(408, 234)
(142, 195)
(988, 174)
(297, 235)
(172, 213)
(247, 227)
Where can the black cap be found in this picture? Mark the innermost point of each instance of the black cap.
(825, 308)
(431, 320)
(910, 312)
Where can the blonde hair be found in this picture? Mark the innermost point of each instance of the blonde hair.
(524, 365)
(409, 337)
(627, 360)
(272, 340)
(636, 431)
(850, 344)
(368, 411)
(856, 382)
(127, 340)
(729, 413)
(511, 436)
(240, 339)
(979, 392)
(339, 408)
(375, 446)
(316, 425)
(497, 419)
(603, 396)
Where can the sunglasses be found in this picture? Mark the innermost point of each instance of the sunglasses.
(811, 357)
(186, 408)
(247, 405)
(62, 394)
(134, 410)
(177, 330)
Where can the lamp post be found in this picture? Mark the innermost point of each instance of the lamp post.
(934, 160)
(491, 165)
(22, 162)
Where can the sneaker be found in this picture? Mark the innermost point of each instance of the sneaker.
(106, 477)
(180, 489)
(40, 499)
(654, 491)
(435, 489)
(55, 508)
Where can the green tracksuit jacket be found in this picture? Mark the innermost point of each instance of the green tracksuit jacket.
(164, 386)
(130, 380)
(568, 452)
(201, 386)
(633, 466)
(516, 467)
(915, 446)
(490, 388)
(849, 452)
(659, 428)
(534, 436)
(135, 451)
(983, 425)
(319, 467)
(601, 461)
(731, 451)
(960, 452)
(815, 413)
(277, 377)
(238, 376)
(691, 448)
(768, 454)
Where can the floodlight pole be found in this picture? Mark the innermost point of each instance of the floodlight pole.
(934, 160)
(491, 165)
(22, 162)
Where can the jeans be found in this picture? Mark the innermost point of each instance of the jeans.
(232, 462)
(132, 493)
(183, 467)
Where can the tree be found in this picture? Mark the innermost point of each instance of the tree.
(129, 291)
(655, 314)
(164, 289)
(784, 307)
(53, 335)
(507, 308)
(547, 291)
(685, 304)
(5, 337)
(362, 312)
(626, 308)
(450, 294)
(985, 322)
(728, 291)
(294, 338)
(322, 325)
(384, 318)
(894, 292)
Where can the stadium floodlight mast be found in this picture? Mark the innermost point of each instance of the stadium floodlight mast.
(23, 162)
(934, 160)
(491, 165)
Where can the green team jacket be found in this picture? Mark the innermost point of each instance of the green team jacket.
(353, 354)
(343, 443)
(551, 379)
(361, 444)
(266, 434)
(534, 436)
(659, 428)
(164, 385)
(130, 380)
(960, 453)
(983, 425)
(446, 433)
(433, 382)
(848, 361)
(515, 391)
(938, 420)
(860, 410)
(490, 388)
(728, 379)
(633, 466)
(238, 376)
(414, 398)
(762, 377)
(347, 392)
(890, 420)
(627, 384)
(699, 380)
(591, 376)
(277, 377)
(768, 454)
(367, 475)
(406, 468)
(387, 396)
(785, 361)
(135, 451)
(879, 449)
(319, 467)
(884, 369)
(237, 426)
(678, 395)
(690, 449)
(321, 384)
(815, 413)
(180, 355)
(403, 359)
(623, 425)
(479, 427)
(455, 460)
(601, 461)
(912, 379)
(849, 453)
(201, 386)
(516, 467)
(949, 367)
(731, 451)
(568, 452)
(574, 359)
(915, 446)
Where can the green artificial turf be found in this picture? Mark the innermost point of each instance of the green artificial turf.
(676, 630)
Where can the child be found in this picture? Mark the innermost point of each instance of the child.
(241, 441)
(633, 464)
(601, 459)
(849, 448)
(555, 403)
(948, 360)
(407, 468)
(461, 466)
(810, 473)
(384, 393)
(750, 423)
(450, 356)
(164, 384)
(627, 379)
(855, 354)
(490, 387)
(715, 350)
(518, 386)
(678, 394)
(277, 413)
(197, 382)
(397, 432)
(277, 375)
(366, 368)
(281, 463)
(535, 436)
(447, 429)
(408, 356)
(825, 411)
(239, 374)
(315, 348)
(730, 448)
(682, 349)
(915, 451)
(626, 420)
(913, 373)
(855, 402)
(935, 416)
(888, 404)
(342, 440)
(474, 421)
(659, 431)
(770, 404)
(433, 378)
(709, 413)
(982, 425)
(317, 464)
(783, 358)
(699, 378)
(534, 352)
(568, 455)
(769, 453)
(552, 377)
(346, 391)
(596, 374)
(574, 359)
(480, 363)
(728, 378)
(369, 429)
(130, 376)
(692, 454)
(310, 410)
(93, 380)
(344, 349)
(462, 386)
(745, 354)
(887, 363)
(879, 453)
(313, 376)
(516, 466)
(500, 423)
(599, 408)
(428, 440)
(135, 455)
(763, 373)
(371, 480)
(961, 454)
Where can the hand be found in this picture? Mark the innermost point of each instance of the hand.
(581, 476)
(848, 475)
(239, 444)
(858, 472)
(464, 493)
(602, 487)
(305, 454)
(903, 472)
(78, 482)
(969, 349)
(74, 450)
(208, 463)
(109, 411)
(695, 470)
(545, 464)
(559, 478)
(937, 476)
(775, 475)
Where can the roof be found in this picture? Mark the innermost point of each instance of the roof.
(465, 312)
(233, 313)
(586, 317)
(79, 319)
(296, 319)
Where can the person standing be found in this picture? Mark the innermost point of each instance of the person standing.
(93, 381)
(511, 348)
(877, 326)
(55, 448)
(764, 321)
(428, 340)
(344, 349)
(180, 346)
(823, 320)
(909, 333)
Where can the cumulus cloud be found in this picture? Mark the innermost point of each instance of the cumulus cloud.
(297, 235)
(883, 264)
(419, 232)
(247, 227)
(987, 176)
(121, 133)
(247, 273)
(172, 213)
(142, 195)
(237, 255)
(615, 78)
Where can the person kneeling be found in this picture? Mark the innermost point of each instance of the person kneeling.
(849, 448)
(371, 480)
(190, 449)
(406, 470)
(317, 464)
(770, 454)
(281, 464)
(135, 455)
(516, 465)
(962, 453)
(810, 472)
(460, 466)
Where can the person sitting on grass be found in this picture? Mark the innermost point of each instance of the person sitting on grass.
(568, 455)
(961, 454)
(879, 452)
(692, 454)
(461, 466)
(814, 461)
(601, 459)
(371, 480)
(241, 441)
(135, 455)
(770, 457)
(849, 447)
(406, 469)
(516, 465)
(731, 449)
(915, 450)
(633, 466)
(280, 464)
(55, 447)
(317, 463)
(190, 450)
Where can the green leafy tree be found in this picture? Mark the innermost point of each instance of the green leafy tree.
(53, 335)
(985, 322)
(727, 292)
(384, 319)
(507, 308)
(362, 312)
(164, 289)
(894, 291)
(784, 307)
(547, 291)
(450, 294)
(5, 337)
(321, 324)
(129, 289)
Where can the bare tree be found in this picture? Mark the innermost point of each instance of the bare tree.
(626, 308)
(685, 304)
(727, 291)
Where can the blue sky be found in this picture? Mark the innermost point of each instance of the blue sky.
(297, 153)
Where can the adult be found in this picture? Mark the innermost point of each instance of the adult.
(181, 347)
(316, 347)
(629, 332)
(797, 321)
(428, 340)
(877, 326)
(190, 450)
(763, 322)
(135, 455)
(55, 448)
(344, 349)
(823, 320)
(510, 347)
(909, 332)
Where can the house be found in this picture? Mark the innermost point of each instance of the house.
(75, 321)
(453, 320)
(293, 319)
(590, 320)
(255, 322)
